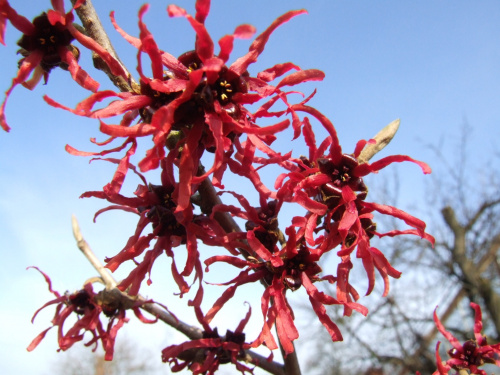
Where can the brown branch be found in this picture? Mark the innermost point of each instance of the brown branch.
(382, 139)
(479, 212)
(94, 29)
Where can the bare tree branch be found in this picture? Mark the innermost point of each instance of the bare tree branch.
(480, 212)
(473, 281)
(89, 254)
(94, 29)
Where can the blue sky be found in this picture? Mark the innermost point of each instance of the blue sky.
(433, 64)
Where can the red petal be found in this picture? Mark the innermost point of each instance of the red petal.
(19, 22)
(453, 341)
(241, 64)
(27, 66)
(365, 168)
(113, 64)
(55, 16)
(276, 71)
(136, 42)
(302, 76)
(202, 9)
(443, 369)
(139, 130)
(336, 150)
(58, 5)
(37, 340)
(244, 31)
(412, 221)
(79, 75)
(236, 262)
(149, 46)
(204, 44)
(478, 323)
(116, 183)
(261, 251)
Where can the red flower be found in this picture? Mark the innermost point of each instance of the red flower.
(329, 184)
(470, 355)
(88, 307)
(46, 44)
(293, 266)
(203, 356)
(156, 205)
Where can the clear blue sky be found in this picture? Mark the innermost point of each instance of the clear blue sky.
(433, 64)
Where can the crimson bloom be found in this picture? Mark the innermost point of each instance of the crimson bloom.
(288, 268)
(205, 355)
(329, 184)
(46, 44)
(156, 206)
(470, 355)
(88, 307)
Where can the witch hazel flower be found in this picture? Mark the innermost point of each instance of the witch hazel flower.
(205, 355)
(470, 355)
(293, 266)
(46, 44)
(88, 307)
(329, 184)
(161, 228)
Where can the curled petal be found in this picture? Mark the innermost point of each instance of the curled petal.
(453, 341)
(366, 168)
(302, 76)
(241, 64)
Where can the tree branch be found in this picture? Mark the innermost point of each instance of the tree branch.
(479, 212)
(89, 254)
(473, 281)
(94, 29)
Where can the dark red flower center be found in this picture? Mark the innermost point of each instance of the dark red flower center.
(341, 175)
(222, 89)
(291, 271)
(162, 214)
(267, 231)
(48, 39)
(470, 355)
(224, 356)
(81, 301)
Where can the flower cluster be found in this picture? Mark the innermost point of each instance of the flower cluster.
(88, 307)
(470, 355)
(197, 106)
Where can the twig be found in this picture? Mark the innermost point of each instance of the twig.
(383, 138)
(87, 251)
(94, 29)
